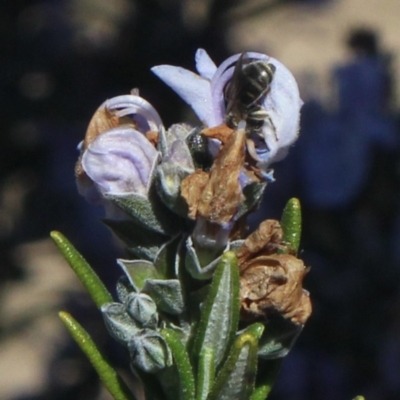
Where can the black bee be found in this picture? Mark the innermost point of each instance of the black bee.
(245, 93)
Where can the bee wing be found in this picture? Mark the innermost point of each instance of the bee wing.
(232, 88)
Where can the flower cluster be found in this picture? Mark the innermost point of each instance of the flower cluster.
(178, 198)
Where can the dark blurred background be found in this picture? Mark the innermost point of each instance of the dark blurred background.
(59, 60)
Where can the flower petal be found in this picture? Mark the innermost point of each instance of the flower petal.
(120, 161)
(204, 65)
(192, 88)
(282, 105)
(132, 104)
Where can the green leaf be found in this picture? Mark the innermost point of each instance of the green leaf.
(220, 312)
(206, 374)
(112, 382)
(182, 362)
(237, 376)
(291, 223)
(83, 270)
(267, 374)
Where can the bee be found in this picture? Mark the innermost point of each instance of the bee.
(244, 95)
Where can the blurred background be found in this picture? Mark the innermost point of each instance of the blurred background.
(60, 59)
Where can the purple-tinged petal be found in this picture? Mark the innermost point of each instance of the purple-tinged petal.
(120, 161)
(282, 104)
(136, 105)
(222, 76)
(204, 65)
(192, 88)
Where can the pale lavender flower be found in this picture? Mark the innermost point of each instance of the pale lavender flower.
(204, 92)
(120, 161)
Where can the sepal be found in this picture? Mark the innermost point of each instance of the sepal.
(167, 294)
(195, 266)
(137, 271)
(123, 288)
(176, 164)
(141, 242)
(147, 212)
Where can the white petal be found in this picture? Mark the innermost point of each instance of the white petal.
(283, 105)
(132, 104)
(204, 65)
(192, 88)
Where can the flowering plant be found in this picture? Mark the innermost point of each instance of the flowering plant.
(205, 309)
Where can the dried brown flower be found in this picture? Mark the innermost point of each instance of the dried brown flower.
(217, 198)
(221, 132)
(191, 189)
(266, 239)
(271, 283)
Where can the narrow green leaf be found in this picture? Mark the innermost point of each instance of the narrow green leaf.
(83, 270)
(267, 374)
(220, 312)
(182, 362)
(237, 376)
(111, 381)
(261, 393)
(291, 223)
(206, 374)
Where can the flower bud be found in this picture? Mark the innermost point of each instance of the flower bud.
(142, 309)
(149, 351)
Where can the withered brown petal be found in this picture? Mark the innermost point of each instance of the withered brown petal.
(268, 232)
(221, 132)
(152, 137)
(101, 121)
(191, 189)
(274, 284)
(222, 194)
